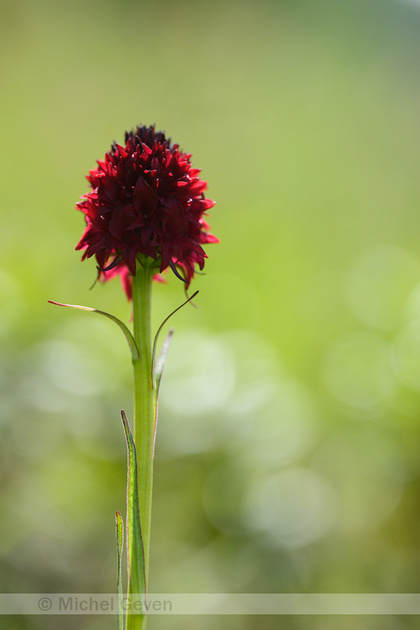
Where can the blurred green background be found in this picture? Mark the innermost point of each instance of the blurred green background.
(287, 453)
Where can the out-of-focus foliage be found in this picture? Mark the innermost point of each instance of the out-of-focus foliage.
(287, 451)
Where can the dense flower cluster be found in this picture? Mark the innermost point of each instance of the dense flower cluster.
(146, 200)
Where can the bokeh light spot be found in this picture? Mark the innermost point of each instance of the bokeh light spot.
(379, 285)
(358, 372)
(406, 355)
(367, 472)
(291, 508)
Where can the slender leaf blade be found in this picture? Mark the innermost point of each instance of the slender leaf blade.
(129, 337)
(135, 549)
(158, 376)
(119, 531)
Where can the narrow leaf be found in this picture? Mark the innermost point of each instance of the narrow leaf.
(130, 339)
(119, 531)
(135, 548)
(157, 373)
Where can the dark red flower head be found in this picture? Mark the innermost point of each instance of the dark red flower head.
(146, 201)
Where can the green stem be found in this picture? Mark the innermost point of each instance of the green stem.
(144, 410)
